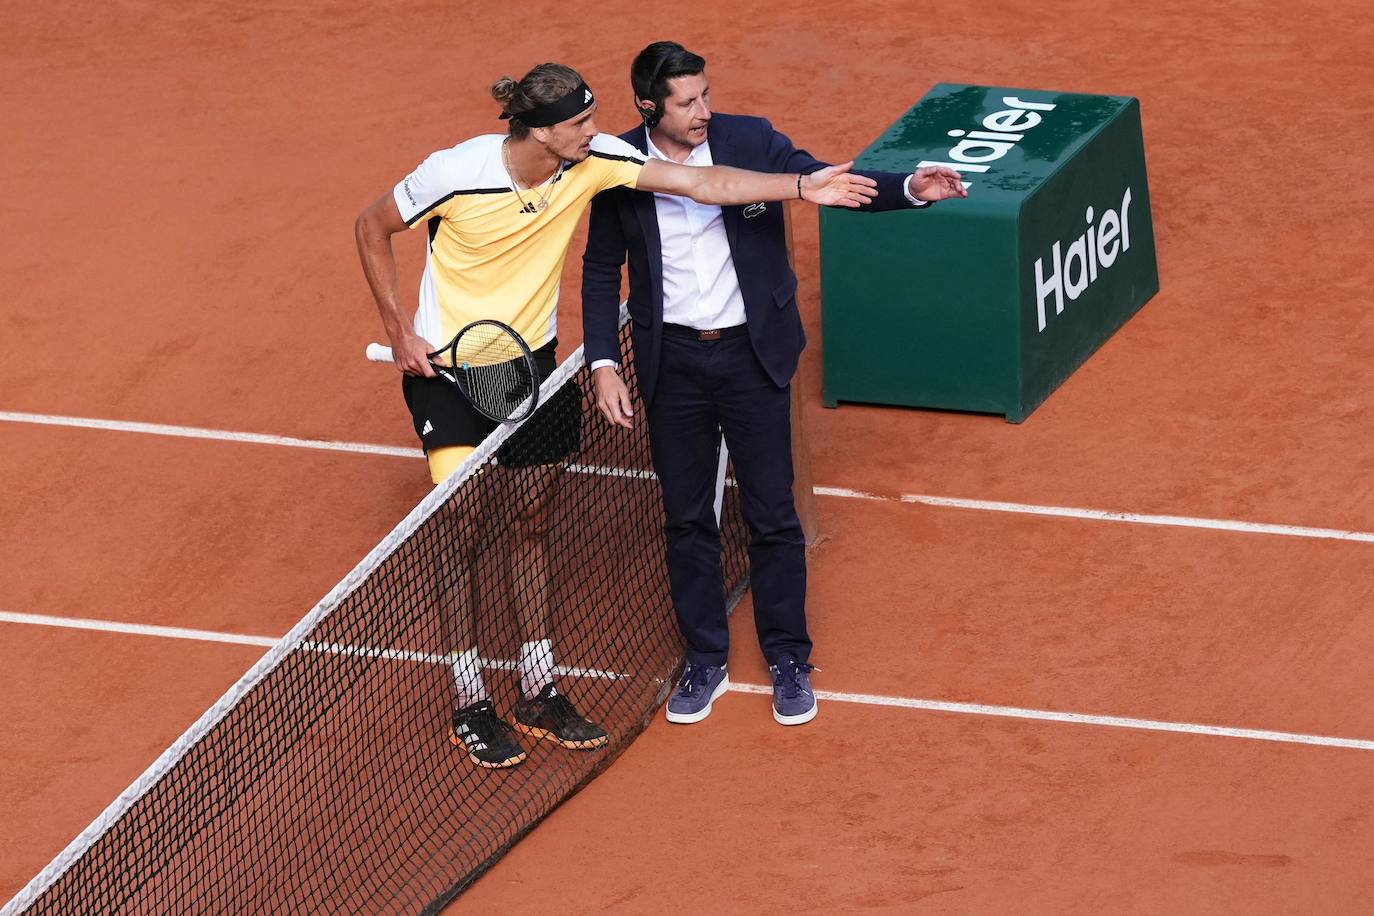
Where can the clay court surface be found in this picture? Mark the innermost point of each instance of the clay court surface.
(179, 188)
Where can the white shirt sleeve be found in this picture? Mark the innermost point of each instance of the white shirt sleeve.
(915, 201)
(611, 145)
(598, 363)
(429, 185)
(619, 162)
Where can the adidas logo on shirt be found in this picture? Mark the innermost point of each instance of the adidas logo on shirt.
(429, 428)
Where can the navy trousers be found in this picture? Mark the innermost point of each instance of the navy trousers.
(706, 388)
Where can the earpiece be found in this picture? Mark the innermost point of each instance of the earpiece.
(653, 115)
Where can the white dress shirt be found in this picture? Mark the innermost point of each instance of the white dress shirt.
(700, 288)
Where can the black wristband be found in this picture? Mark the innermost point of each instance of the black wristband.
(799, 193)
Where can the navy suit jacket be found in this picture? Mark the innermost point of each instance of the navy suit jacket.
(625, 221)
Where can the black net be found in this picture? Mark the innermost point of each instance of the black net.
(332, 784)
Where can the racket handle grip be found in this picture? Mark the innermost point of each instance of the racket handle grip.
(379, 354)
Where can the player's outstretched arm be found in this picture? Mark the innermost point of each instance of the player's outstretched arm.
(835, 186)
(373, 231)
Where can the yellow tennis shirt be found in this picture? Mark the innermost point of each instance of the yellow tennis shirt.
(490, 255)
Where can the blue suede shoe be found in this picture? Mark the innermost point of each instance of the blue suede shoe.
(793, 701)
(700, 686)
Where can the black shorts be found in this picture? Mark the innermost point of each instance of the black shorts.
(443, 417)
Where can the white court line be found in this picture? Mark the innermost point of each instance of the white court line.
(863, 699)
(136, 629)
(1074, 718)
(193, 432)
(1101, 515)
(241, 639)
(983, 505)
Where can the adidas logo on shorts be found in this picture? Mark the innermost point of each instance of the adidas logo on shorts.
(429, 428)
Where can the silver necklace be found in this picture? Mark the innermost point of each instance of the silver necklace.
(543, 202)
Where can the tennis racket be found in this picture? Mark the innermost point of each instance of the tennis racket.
(489, 364)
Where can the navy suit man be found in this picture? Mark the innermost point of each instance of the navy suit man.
(716, 337)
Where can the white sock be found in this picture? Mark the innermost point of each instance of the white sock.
(467, 674)
(536, 666)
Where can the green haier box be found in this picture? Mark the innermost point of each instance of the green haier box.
(989, 303)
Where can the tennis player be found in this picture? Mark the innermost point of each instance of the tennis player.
(500, 212)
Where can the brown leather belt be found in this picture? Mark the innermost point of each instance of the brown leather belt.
(681, 330)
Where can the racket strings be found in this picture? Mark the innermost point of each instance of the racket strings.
(494, 371)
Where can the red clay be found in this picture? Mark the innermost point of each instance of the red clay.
(1168, 623)
(889, 811)
(85, 713)
(181, 187)
(190, 533)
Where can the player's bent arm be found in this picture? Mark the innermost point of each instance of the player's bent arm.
(373, 231)
(725, 186)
